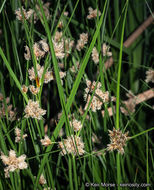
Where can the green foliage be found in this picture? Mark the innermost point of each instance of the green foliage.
(96, 166)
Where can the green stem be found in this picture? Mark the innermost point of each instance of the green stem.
(118, 94)
(75, 174)
(70, 173)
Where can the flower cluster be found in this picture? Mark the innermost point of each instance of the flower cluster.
(99, 97)
(40, 69)
(61, 45)
(105, 50)
(76, 125)
(59, 49)
(40, 48)
(149, 76)
(93, 13)
(12, 162)
(82, 41)
(8, 110)
(46, 141)
(28, 15)
(45, 9)
(95, 55)
(33, 89)
(18, 135)
(42, 180)
(33, 110)
(72, 145)
(118, 140)
(24, 88)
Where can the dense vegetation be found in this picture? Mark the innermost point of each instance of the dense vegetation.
(76, 94)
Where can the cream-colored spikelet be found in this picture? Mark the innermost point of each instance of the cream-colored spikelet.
(38, 52)
(18, 137)
(24, 88)
(72, 145)
(105, 50)
(40, 69)
(33, 110)
(66, 13)
(149, 76)
(11, 113)
(59, 48)
(99, 97)
(76, 125)
(33, 89)
(42, 180)
(58, 36)
(60, 24)
(26, 14)
(95, 55)
(44, 45)
(93, 13)
(62, 46)
(45, 9)
(30, 13)
(46, 141)
(82, 41)
(117, 140)
(27, 54)
(13, 163)
(40, 48)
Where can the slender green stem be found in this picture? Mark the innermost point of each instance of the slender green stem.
(118, 93)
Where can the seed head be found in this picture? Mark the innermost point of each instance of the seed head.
(59, 48)
(117, 140)
(99, 97)
(95, 55)
(33, 110)
(46, 141)
(33, 89)
(40, 69)
(24, 88)
(93, 13)
(72, 145)
(42, 180)
(76, 125)
(18, 135)
(27, 55)
(82, 41)
(149, 76)
(12, 162)
(105, 50)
